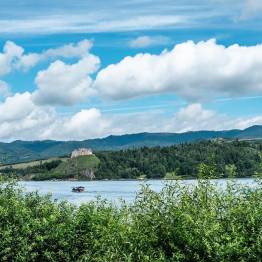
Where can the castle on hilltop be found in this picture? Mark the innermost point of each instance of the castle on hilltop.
(81, 152)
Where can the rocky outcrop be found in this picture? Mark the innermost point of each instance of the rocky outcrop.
(88, 173)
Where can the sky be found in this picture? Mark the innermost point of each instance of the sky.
(75, 70)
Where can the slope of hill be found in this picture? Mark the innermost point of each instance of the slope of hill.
(21, 151)
(253, 132)
(82, 167)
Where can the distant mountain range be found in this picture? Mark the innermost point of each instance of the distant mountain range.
(22, 151)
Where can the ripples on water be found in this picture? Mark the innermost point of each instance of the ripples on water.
(110, 190)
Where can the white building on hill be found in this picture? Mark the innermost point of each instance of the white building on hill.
(81, 152)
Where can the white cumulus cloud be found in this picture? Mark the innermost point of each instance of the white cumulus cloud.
(195, 117)
(16, 107)
(87, 123)
(77, 50)
(193, 71)
(21, 119)
(14, 56)
(8, 58)
(65, 84)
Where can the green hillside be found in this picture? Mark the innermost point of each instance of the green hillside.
(82, 167)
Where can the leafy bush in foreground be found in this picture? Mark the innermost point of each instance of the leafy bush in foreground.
(180, 223)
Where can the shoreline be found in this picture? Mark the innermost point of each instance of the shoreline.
(132, 180)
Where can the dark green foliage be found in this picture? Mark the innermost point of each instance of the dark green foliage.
(177, 224)
(237, 158)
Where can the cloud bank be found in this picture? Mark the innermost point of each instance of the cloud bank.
(193, 71)
(20, 118)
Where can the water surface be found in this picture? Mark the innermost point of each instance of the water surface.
(110, 190)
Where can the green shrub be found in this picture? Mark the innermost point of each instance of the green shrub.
(172, 176)
(180, 223)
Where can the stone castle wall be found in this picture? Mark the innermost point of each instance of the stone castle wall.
(81, 152)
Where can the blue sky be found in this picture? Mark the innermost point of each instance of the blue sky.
(83, 69)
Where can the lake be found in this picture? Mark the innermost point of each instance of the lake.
(110, 190)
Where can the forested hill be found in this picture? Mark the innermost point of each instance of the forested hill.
(22, 151)
(217, 159)
(211, 159)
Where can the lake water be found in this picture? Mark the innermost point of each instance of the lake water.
(110, 190)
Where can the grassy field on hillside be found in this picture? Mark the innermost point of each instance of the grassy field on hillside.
(32, 163)
(80, 163)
